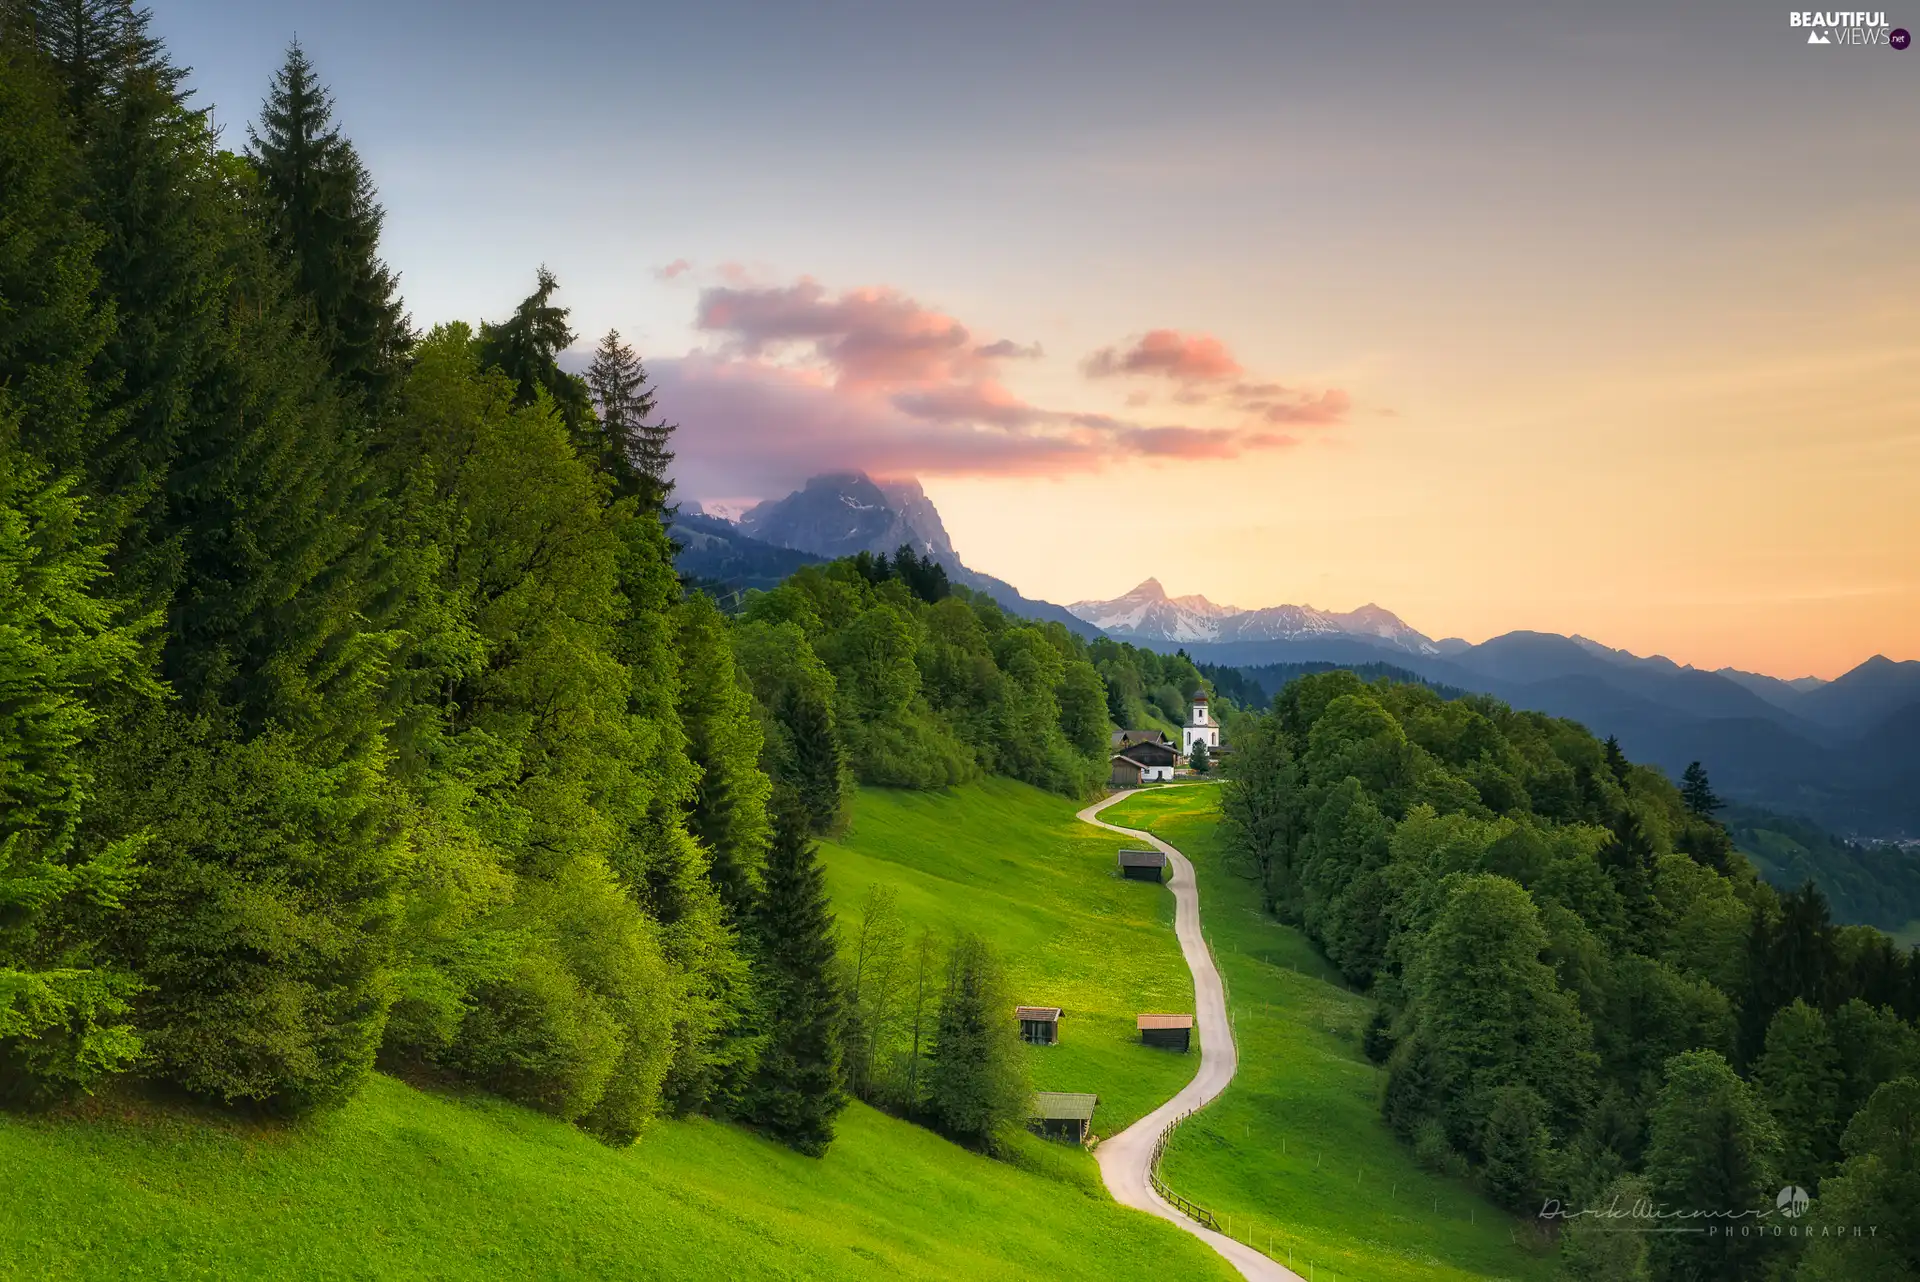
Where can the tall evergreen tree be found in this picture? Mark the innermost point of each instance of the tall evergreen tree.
(1697, 793)
(1713, 1151)
(819, 759)
(633, 450)
(976, 1075)
(65, 1008)
(1617, 764)
(796, 1093)
(323, 219)
(526, 348)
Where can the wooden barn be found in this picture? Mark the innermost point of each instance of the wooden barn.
(1039, 1025)
(1155, 760)
(1174, 1032)
(1126, 773)
(1065, 1115)
(1142, 865)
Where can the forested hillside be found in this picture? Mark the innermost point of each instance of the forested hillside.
(354, 712)
(1584, 992)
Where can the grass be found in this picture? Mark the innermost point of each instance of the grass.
(406, 1184)
(403, 1183)
(1296, 1145)
(1011, 864)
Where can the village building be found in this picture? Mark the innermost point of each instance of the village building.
(1142, 865)
(1145, 760)
(1200, 728)
(1039, 1025)
(1174, 1032)
(1065, 1115)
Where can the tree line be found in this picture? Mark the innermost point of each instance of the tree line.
(351, 712)
(1584, 992)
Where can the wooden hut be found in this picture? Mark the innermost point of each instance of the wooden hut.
(1126, 771)
(1039, 1025)
(1065, 1115)
(1142, 865)
(1175, 1032)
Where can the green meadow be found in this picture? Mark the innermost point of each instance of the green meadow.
(405, 1183)
(1011, 864)
(1296, 1147)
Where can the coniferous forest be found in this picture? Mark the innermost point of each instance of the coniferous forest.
(1584, 993)
(354, 714)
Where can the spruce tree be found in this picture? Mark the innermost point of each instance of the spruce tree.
(324, 221)
(796, 1094)
(976, 1073)
(819, 759)
(729, 811)
(65, 1007)
(633, 450)
(1617, 764)
(1696, 793)
(526, 348)
(1198, 758)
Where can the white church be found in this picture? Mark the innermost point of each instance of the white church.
(1199, 728)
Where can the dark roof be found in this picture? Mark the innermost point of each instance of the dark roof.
(1164, 1021)
(1126, 738)
(1199, 698)
(1142, 859)
(1048, 1013)
(1121, 756)
(1148, 748)
(1063, 1106)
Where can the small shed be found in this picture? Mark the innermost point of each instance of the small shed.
(1175, 1032)
(1065, 1115)
(1126, 771)
(1039, 1025)
(1142, 865)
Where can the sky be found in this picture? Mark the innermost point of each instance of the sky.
(1567, 317)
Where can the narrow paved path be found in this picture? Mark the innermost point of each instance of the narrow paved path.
(1125, 1158)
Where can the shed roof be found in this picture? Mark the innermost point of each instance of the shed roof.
(1063, 1106)
(1164, 1021)
(1142, 859)
(1036, 1012)
(1125, 738)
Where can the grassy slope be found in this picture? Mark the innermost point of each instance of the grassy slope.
(1011, 864)
(1297, 1144)
(403, 1183)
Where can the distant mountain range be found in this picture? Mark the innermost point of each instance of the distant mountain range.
(1845, 753)
(1148, 616)
(843, 514)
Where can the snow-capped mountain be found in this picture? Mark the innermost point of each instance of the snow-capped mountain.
(1148, 614)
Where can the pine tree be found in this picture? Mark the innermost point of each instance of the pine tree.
(1697, 793)
(1617, 764)
(324, 221)
(729, 812)
(65, 1008)
(1199, 758)
(819, 760)
(526, 348)
(976, 1075)
(796, 1091)
(1712, 1150)
(633, 451)
(95, 46)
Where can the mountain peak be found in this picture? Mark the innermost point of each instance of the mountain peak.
(1148, 590)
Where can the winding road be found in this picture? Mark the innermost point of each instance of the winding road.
(1125, 1158)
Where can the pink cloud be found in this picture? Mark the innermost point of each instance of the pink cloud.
(1169, 354)
(803, 379)
(677, 267)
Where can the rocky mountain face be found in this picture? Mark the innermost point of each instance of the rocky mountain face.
(1147, 615)
(844, 513)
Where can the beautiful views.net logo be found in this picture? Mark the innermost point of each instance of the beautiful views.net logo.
(1858, 29)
